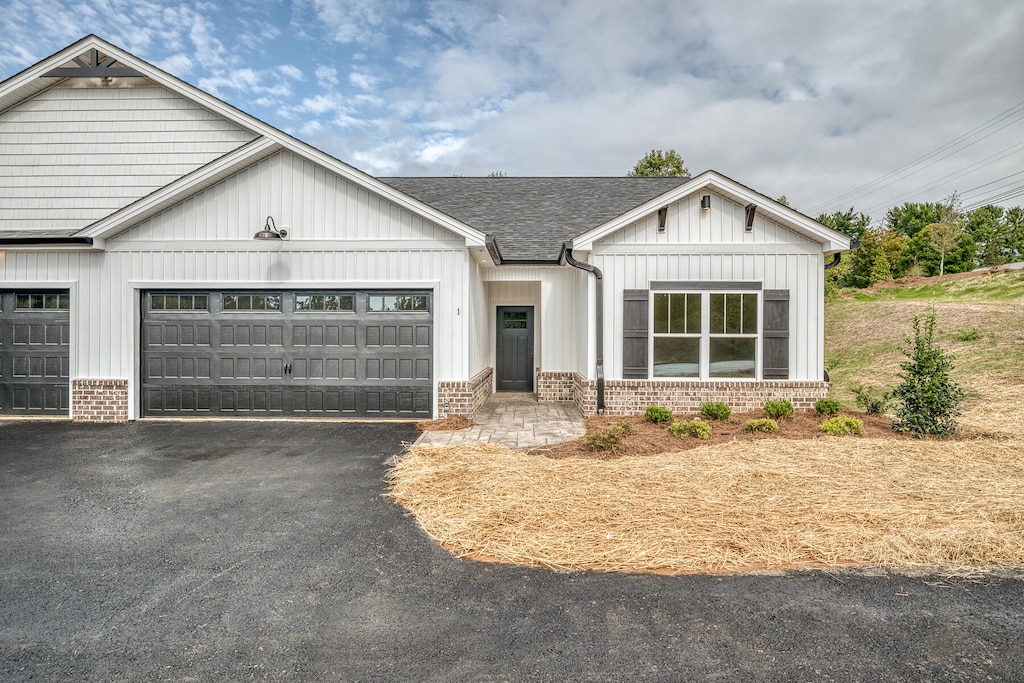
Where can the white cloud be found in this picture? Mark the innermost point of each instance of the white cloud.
(326, 75)
(292, 72)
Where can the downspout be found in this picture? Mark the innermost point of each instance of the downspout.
(599, 322)
(835, 261)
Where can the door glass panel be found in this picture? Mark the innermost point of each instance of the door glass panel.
(514, 320)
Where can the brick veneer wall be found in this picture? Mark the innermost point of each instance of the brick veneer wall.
(555, 386)
(464, 398)
(631, 397)
(99, 400)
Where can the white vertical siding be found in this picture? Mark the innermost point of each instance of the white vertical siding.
(73, 155)
(476, 320)
(713, 246)
(315, 204)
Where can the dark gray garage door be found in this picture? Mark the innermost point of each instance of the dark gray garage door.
(34, 359)
(287, 353)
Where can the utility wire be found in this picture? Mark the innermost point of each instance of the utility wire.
(861, 190)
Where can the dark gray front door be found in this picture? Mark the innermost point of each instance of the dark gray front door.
(288, 353)
(34, 358)
(514, 352)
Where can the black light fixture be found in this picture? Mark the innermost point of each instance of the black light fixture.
(705, 202)
(662, 218)
(270, 231)
(751, 210)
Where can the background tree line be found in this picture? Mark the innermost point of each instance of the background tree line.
(930, 238)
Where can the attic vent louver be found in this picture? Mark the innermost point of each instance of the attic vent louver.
(93, 68)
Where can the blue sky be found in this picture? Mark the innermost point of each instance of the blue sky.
(810, 99)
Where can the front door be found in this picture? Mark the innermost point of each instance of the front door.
(514, 353)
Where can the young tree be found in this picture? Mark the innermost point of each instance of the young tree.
(928, 400)
(943, 237)
(660, 163)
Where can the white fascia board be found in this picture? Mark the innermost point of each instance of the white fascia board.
(472, 236)
(178, 190)
(831, 240)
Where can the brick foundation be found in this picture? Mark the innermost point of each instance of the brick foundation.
(464, 398)
(631, 397)
(99, 400)
(555, 386)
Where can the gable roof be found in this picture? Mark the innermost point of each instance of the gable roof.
(531, 217)
(37, 78)
(832, 241)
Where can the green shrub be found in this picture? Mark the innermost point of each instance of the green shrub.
(611, 439)
(622, 429)
(828, 406)
(778, 410)
(696, 428)
(715, 410)
(872, 400)
(843, 425)
(928, 400)
(657, 414)
(765, 424)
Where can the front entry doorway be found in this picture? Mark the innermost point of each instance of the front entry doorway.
(514, 352)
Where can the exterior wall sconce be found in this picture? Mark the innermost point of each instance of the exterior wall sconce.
(705, 202)
(751, 210)
(271, 232)
(662, 218)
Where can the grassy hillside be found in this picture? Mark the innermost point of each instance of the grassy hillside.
(980, 319)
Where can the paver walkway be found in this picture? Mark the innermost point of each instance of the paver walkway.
(517, 421)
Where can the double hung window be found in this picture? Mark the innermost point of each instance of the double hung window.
(705, 335)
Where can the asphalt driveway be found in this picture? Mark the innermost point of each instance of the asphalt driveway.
(265, 551)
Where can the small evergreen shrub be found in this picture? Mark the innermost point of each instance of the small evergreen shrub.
(764, 424)
(715, 410)
(842, 425)
(658, 414)
(697, 428)
(621, 429)
(610, 440)
(873, 401)
(778, 410)
(828, 406)
(928, 400)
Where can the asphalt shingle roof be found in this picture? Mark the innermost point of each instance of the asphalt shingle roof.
(531, 217)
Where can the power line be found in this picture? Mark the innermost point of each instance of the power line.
(861, 190)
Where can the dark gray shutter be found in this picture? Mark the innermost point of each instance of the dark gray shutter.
(776, 334)
(635, 331)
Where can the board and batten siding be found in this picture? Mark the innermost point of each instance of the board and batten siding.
(560, 323)
(713, 246)
(73, 155)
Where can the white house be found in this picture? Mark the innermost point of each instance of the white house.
(165, 254)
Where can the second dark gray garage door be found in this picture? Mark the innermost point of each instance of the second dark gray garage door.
(287, 353)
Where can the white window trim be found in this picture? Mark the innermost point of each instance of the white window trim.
(706, 336)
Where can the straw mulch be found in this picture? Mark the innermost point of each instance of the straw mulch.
(445, 424)
(765, 504)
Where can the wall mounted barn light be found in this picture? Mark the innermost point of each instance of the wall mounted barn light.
(751, 210)
(662, 218)
(705, 202)
(271, 232)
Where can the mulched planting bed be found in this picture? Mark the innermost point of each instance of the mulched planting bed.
(652, 439)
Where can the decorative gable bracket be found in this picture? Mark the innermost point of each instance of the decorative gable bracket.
(93, 68)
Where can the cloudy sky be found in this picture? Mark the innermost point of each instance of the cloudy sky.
(834, 103)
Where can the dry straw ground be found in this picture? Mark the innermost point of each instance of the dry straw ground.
(798, 499)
